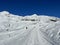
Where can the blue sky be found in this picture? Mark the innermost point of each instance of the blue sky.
(28, 7)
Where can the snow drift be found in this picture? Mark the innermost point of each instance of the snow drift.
(29, 30)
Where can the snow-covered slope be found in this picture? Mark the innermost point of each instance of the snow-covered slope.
(29, 30)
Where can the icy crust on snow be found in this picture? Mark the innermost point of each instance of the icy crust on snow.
(29, 30)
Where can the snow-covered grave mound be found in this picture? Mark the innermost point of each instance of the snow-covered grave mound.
(29, 30)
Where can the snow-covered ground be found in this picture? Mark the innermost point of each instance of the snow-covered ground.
(29, 30)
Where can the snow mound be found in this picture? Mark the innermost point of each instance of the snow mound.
(29, 30)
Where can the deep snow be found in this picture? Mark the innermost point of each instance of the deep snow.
(29, 30)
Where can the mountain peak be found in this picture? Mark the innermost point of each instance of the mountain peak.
(4, 12)
(34, 15)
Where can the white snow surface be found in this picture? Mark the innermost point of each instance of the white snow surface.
(29, 30)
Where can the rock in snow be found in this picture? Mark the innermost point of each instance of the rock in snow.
(29, 30)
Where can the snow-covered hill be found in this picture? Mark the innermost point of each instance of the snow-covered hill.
(29, 30)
